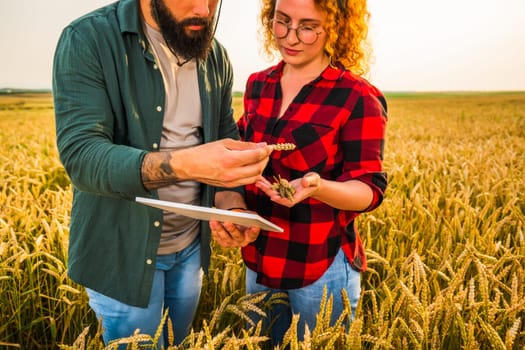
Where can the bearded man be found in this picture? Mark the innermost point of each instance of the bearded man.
(143, 107)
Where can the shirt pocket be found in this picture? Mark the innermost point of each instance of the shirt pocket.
(315, 144)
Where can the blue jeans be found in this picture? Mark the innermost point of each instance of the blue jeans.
(176, 285)
(306, 300)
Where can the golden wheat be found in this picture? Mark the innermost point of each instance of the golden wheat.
(445, 250)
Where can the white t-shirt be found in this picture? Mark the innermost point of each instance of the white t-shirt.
(181, 128)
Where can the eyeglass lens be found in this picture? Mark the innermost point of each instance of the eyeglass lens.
(307, 35)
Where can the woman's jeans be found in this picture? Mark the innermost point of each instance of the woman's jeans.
(176, 285)
(306, 300)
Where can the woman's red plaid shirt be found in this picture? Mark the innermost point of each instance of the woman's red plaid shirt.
(338, 124)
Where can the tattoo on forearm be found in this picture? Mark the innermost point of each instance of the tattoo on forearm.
(157, 171)
(165, 167)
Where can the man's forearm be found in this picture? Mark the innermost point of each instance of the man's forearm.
(222, 163)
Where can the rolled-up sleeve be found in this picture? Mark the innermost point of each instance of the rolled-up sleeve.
(363, 142)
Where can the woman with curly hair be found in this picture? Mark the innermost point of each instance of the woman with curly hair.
(316, 99)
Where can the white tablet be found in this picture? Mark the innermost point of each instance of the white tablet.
(205, 213)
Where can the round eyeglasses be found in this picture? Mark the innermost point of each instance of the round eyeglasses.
(305, 34)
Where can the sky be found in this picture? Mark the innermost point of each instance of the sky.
(418, 45)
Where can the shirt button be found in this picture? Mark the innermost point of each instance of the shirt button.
(149, 261)
(155, 145)
(159, 109)
(155, 66)
(156, 223)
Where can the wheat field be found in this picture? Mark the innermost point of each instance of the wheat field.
(446, 248)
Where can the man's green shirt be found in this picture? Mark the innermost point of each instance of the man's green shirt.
(109, 99)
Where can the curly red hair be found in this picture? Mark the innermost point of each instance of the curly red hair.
(346, 26)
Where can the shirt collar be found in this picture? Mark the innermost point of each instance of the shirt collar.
(128, 14)
(332, 72)
(130, 21)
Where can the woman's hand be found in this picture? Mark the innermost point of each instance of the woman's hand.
(304, 187)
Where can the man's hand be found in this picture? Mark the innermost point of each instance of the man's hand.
(223, 163)
(229, 235)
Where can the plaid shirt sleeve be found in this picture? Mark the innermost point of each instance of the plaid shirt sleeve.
(363, 138)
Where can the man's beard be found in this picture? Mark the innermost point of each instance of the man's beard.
(196, 45)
